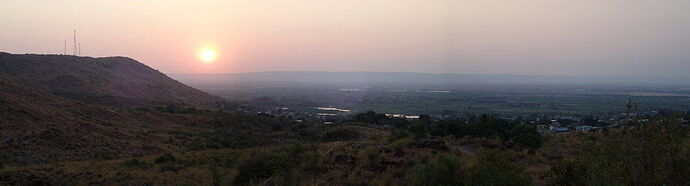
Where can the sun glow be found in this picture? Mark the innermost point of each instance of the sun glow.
(208, 55)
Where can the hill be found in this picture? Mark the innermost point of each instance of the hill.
(106, 81)
(66, 108)
(38, 127)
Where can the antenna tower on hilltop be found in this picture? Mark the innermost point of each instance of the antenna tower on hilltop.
(75, 43)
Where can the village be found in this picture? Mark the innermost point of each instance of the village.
(545, 124)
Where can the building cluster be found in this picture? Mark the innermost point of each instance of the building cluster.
(545, 123)
(578, 124)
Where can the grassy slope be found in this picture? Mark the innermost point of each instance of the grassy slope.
(368, 160)
(39, 127)
(109, 80)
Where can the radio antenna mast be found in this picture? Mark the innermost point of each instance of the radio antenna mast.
(64, 50)
(75, 42)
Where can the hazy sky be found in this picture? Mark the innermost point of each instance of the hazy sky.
(545, 37)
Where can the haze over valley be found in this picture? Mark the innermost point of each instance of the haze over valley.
(382, 92)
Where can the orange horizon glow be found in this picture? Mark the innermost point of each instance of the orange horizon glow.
(535, 37)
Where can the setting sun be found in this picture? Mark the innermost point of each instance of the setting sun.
(208, 55)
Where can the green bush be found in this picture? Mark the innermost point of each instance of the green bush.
(341, 135)
(533, 141)
(103, 154)
(397, 134)
(418, 130)
(372, 154)
(400, 144)
(495, 168)
(442, 170)
(165, 158)
(647, 154)
(135, 163)
(261, 166)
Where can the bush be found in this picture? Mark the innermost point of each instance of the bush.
(341, 135)
(104, 154)
(165, 158)
(260, 167)
(495, 168)
(400, 144)
(526, 136)
(647, 154)
(134, 163)
(442, 170)
(533, 141)
(418, 130)
(370, 117)
(372, 154)
(397, 134)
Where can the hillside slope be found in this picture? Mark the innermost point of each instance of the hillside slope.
(37, 127)
(64, 108)
(106, 81)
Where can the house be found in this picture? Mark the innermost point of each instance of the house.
(555, 123)
(412, 117)
(559, 129)
(585, 128)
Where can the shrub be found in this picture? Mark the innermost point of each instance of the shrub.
(173, 109)
(341, 135)
(261, 166)
(533, 141)
(103, 154)
(398, 134)
(372, 154)
(442, 170)
(165, 158)
(134, 163)
(647, 154)
(418, 130)
(370, 117)
(495, 168)
(400, 144)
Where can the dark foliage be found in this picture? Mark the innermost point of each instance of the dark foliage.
(261, 167)
(485, 126)
(646, 154)
(341, 135)
(491, 168)
(496, 168)
(164, 158)
(370, 117)
(135, 163)
(442, 170)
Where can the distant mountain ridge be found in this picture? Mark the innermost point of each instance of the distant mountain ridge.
(419, 78)
(106, 80)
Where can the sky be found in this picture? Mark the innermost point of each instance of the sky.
(531, 37)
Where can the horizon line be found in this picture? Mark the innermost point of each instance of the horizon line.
(426, 73)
